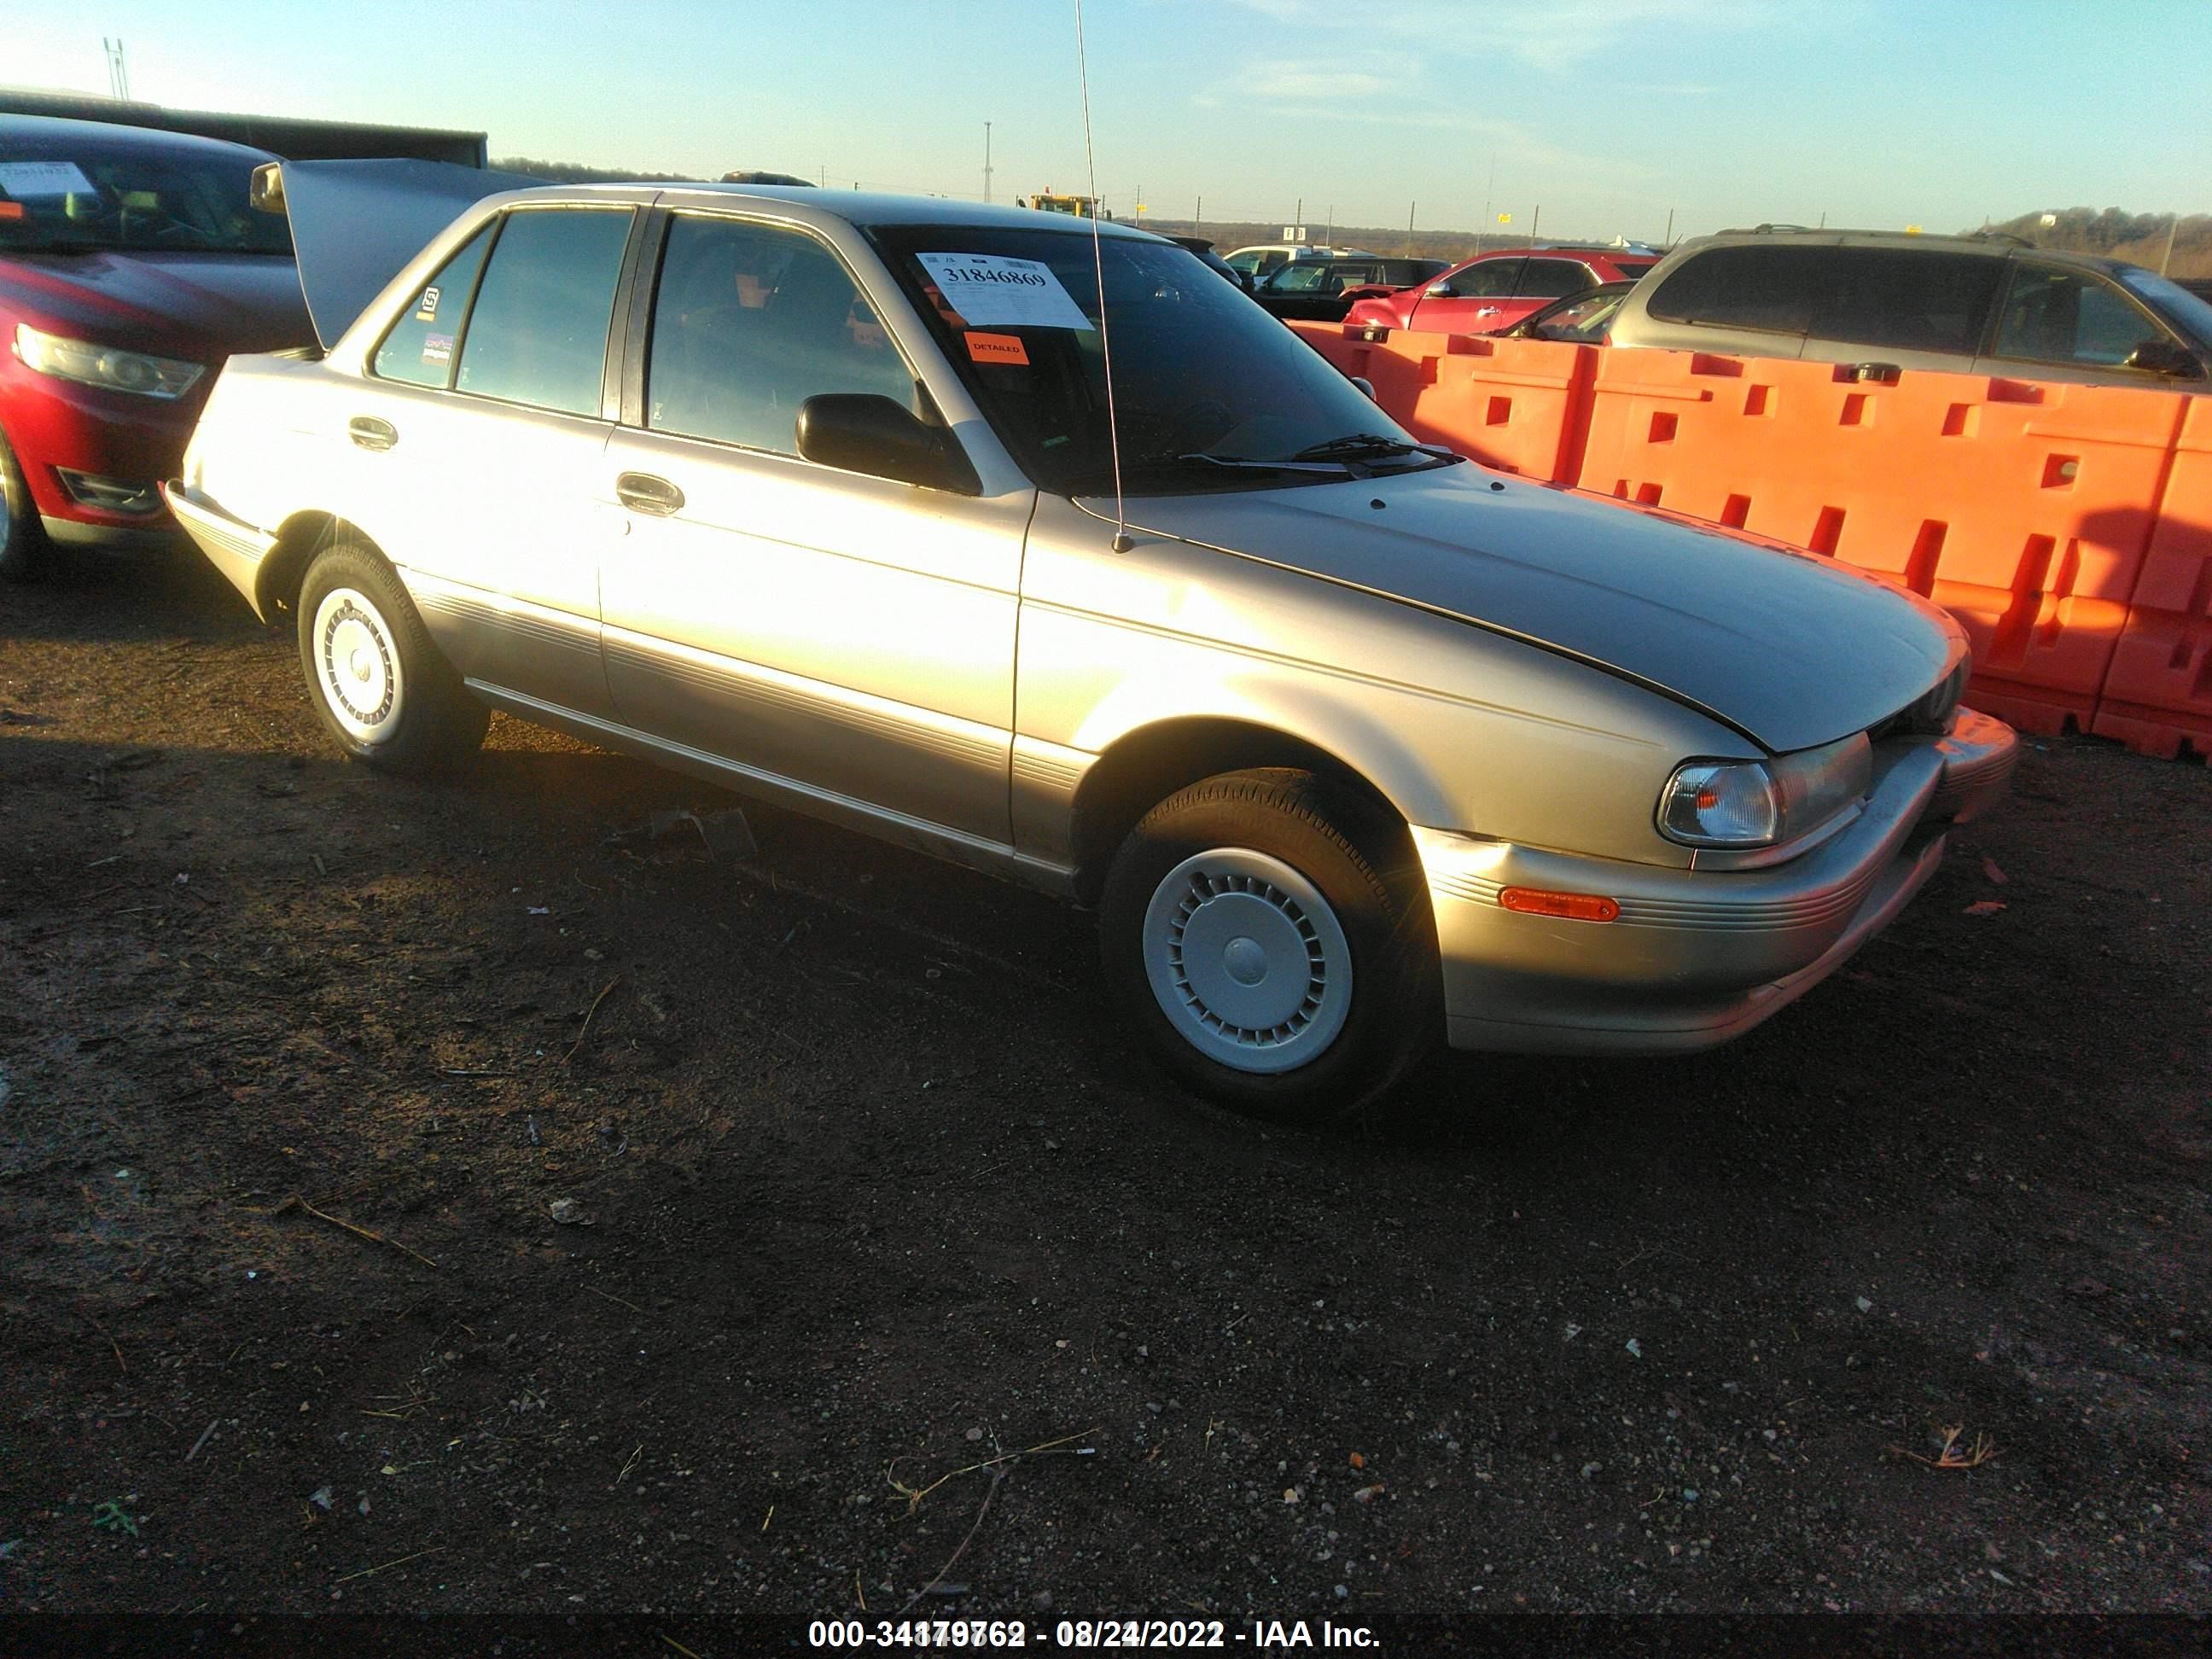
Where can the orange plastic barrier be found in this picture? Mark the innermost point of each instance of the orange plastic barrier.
(1519, 405)
(2159, 693)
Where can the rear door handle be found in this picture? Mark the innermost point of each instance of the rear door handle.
(370, 433)
(641, 492)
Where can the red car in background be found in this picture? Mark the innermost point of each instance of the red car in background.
(1492, 291)
(131, 267)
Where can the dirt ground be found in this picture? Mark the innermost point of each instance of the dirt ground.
(435, 1198)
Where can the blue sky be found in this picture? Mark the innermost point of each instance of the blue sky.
(1605, 113)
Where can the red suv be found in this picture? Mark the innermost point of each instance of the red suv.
(1495, 290)
(131, 266)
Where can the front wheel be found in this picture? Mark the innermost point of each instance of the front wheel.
(1272, 939)
(24, 550)
(378, 681)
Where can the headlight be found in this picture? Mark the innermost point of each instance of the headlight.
(1764, 803)
(108, 366)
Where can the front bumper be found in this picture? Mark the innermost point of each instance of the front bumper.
(1696, 957)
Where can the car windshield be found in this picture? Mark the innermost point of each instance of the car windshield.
(1210, 392)
(83, 197)
(2185, 310)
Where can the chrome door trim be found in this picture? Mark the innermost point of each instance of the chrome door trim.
(954, 845)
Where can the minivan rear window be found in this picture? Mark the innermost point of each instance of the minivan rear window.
(1760, 287)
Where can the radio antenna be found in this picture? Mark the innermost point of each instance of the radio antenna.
(1122, 542)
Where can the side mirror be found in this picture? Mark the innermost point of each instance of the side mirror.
(1366, 386)
(2165, 357)
(862, 432)
(1439, 291)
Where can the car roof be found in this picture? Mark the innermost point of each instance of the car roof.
(62, 133)
(1995, 244)
(872, 209)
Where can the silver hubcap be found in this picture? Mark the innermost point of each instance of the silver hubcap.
(1247, 960)
(359, 679)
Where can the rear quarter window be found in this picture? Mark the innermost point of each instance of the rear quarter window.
(419, 349)
(1756, 288)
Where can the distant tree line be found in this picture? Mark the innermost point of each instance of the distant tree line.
(2138, 238)
(568, 173)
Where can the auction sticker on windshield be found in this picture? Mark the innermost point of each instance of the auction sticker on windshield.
(24, 179)
(988, 287)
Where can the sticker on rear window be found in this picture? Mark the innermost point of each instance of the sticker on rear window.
(986, 287)
(437, 348)
(26, 179)
(997, 348)
(428, 310)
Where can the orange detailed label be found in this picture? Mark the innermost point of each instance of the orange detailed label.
(997, 348)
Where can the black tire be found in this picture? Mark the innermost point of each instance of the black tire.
(25, 552)
(1168, 967)
(379, 685)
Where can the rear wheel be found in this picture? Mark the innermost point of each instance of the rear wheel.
(1271, 937)
(24, 550)
(378, 681)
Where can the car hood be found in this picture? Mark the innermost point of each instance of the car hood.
(1788, 648)
(196, 304)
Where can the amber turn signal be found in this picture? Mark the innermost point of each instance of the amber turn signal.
(1575, 907)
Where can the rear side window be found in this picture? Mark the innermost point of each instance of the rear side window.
(538, 333)
(1487, 279)
(1904, 300)
(2057, 315)
(419, 349)
(1548, 279)
(1761, 288)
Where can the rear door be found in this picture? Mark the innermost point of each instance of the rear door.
(478, 452)
(1901, 307)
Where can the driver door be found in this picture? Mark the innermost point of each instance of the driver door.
(850, 636)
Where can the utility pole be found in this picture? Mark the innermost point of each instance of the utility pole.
(1410, 206)
(1535, 220)
(2166, 258)
(1669, 242)
(1198, 218)
(1489, 195)
(1329, 235)
(986, 163)
(118, 75)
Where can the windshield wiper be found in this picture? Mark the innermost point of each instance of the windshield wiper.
(1362, 445)
(1303, 461)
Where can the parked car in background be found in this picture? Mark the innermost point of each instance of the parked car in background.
(1490, 293)
(131, 266)
(1978, 304)
(2200, 286)
(1322, 289)
(1353, 744)
(1257, 260)
(755, 176)
(1578, 318)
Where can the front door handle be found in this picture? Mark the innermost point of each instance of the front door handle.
(370, 433)
(641, 492)
(1487, 310)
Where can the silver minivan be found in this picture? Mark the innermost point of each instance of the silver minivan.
(1883, 302)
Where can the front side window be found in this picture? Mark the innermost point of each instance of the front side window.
(1210, 391)
(419, 349)
(2188, 312)
(751, 320)
(1487, 279)
(2057, 315)
(1300, 277)
(538, 333)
